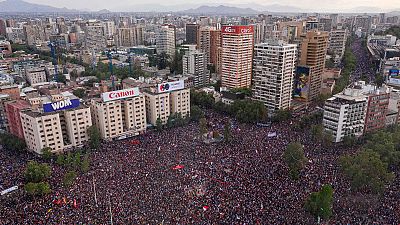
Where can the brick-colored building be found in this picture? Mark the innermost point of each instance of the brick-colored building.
(13, 110)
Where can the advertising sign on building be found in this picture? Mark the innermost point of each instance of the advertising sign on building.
(302, 83)
(61, 105)
(171, 86)
(120, 94)
(237, 29)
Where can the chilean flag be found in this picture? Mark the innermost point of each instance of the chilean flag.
(178, 167)
(206, 207)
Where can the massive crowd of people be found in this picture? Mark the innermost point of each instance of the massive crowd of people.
(363, 69)
(173, 177)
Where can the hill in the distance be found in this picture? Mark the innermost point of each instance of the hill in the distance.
(221, 9)
(26, 7)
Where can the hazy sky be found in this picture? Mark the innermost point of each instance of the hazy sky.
(312, 4)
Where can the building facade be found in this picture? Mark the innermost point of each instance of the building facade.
(237, 56)
(344, 114)
(194, 63)
(166, 40)
(313, 49)
(273, 74)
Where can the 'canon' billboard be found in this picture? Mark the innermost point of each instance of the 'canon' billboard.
(237, 29)
(171, 86)
(115, 95)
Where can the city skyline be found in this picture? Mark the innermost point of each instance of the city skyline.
(156, 5)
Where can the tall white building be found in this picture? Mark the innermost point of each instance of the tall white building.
(337, 43)
(345, 113)
(194, 63)
(95, 38)
(165, 40)
(273, 72)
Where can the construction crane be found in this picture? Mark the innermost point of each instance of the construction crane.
(52, 47)
(110, 68)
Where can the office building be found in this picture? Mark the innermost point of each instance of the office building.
(3, 116)
(337, 43)
(203, 43)
(36, 75)
(119, 113)
(194, 63)
(312, 53)
(273, 74)
(165, 40)
(237, 56)
(128, 37)
(216, 49)
(95, 38)
(344, 114)
(13, 110)
(192, 32)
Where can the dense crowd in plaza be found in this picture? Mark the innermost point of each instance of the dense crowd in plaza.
(172, 177)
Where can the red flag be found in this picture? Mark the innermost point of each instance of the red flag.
(206, 207)
(75, 204)
(177, 167)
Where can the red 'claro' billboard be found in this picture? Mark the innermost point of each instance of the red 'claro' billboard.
(237, 29)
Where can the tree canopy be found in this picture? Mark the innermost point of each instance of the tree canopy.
(366, 171)
(295, 159)
(319, 203)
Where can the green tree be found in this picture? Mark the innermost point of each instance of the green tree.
(295, 159)
(60, 160)
(227, 132)
(366, 171)
(159, 124)
(43, 188)
(162, 60)
(282, 115)
(196, 113)
(37, 172)
(94, 136)
(77, 160)
(46, 153)
(61, 78)
(320, 203)
(203, 126)
(12, 143)
(317, 131)
(79, 92)
(30, 188)
(176, 65)
(69, 178)
(85, 166)
(330, 63)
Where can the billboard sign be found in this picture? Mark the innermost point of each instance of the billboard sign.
(170, 86)
(120, 94)
(61, 105)
(302, 83)
(237, 29)
(394, 73)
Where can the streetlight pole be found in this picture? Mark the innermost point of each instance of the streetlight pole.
(111, 215)
(95, 194)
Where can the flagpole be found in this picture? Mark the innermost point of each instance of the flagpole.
(94, 190)
(111, 215)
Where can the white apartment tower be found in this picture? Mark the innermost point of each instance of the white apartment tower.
(345, 114)
(273, 72)
(194, 63)
(165, 40)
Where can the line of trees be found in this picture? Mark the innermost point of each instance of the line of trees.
(349, 60)
(245, 111)
(371, 168)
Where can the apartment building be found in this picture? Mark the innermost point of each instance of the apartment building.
(237, 56)
(194, 63)
(3, 116)
(36, 75)
(273, 74)
(345, 113)
(166, 40)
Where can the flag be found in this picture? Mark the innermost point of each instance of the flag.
(177, 167)
(75, 204)
(206, 207)
(49, 210)
(65, 200)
